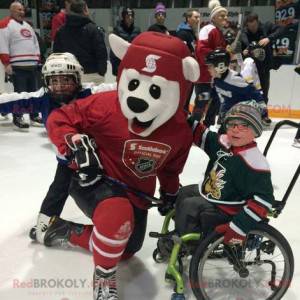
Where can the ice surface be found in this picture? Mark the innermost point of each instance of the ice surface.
(27, 166)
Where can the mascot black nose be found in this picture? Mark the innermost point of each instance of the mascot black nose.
(137, 105)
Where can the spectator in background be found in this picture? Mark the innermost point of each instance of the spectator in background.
(188, 30)
(84, 39)
(210, 38)
(127, 31)
(20, 55)
(160, 15)
(264, 34)
(59, 19)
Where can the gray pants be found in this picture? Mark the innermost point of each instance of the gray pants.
(195, 214)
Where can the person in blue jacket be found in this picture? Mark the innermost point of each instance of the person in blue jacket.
(62, 79)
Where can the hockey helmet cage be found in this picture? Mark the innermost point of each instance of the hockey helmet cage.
(220, 59)
(62, 64)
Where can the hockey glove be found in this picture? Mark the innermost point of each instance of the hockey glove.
(168, 202)
(230, 235)
(90, 169)
(297, 69)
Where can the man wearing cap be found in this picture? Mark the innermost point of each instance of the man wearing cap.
(210, 38)
(237, 190)
(160, 15)
(127, 31)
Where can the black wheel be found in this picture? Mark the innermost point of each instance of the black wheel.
(158, 258)
(260, 269)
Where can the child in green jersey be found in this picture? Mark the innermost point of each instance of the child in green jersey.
(237, 190)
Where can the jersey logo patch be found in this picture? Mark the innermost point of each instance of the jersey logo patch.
(26, 33)
(143, 158)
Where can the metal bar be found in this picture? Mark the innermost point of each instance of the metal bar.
(297, 173)
(291, 185)
(277, 126)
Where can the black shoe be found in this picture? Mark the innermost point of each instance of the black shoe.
(59, 232)
(36, 121)
(20, 124)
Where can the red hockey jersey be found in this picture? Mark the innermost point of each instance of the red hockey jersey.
(130, 158)
(210, 38)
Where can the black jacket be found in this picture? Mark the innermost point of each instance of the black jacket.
(186, 33)
(265, 30)
(83, 38)
(127, 34)
(158, 28)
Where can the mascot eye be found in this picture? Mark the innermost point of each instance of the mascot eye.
(155, 91)
(133, 85)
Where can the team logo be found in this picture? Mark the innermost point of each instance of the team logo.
(151, 63)
(145, 165)
(143, 158)
(26, 33)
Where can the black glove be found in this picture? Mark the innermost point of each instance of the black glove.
(297, 69)
(90, 169)
(168, 202)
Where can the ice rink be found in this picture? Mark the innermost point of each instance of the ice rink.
(32, 271)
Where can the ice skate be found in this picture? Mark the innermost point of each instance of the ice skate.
(59, 232)
(105, 284)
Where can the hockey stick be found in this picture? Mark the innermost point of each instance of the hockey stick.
(236, 43)
(140, 194)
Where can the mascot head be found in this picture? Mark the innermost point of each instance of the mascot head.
(154, 79)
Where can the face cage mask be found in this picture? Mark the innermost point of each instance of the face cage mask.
(62, 98)
(221, 68)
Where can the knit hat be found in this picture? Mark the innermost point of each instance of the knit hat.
(215, 7)
(160, 8)
(248, 112)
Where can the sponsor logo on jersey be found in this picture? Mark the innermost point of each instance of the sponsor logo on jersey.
(143, 158)
(26, 33)
(151, 63)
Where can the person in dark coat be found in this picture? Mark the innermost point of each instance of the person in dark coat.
(127, 31)
(265, 34)
(84, 39)
(160, 15)
(188, 30)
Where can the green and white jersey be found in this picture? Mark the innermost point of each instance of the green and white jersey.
(238, 180)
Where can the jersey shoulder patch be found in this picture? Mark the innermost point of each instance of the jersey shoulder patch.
(255, 159)
(204, 32)
(4, 22)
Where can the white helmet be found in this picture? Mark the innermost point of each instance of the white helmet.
(62, 64)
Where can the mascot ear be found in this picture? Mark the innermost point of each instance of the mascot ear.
(191, 69)
(118, 45)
